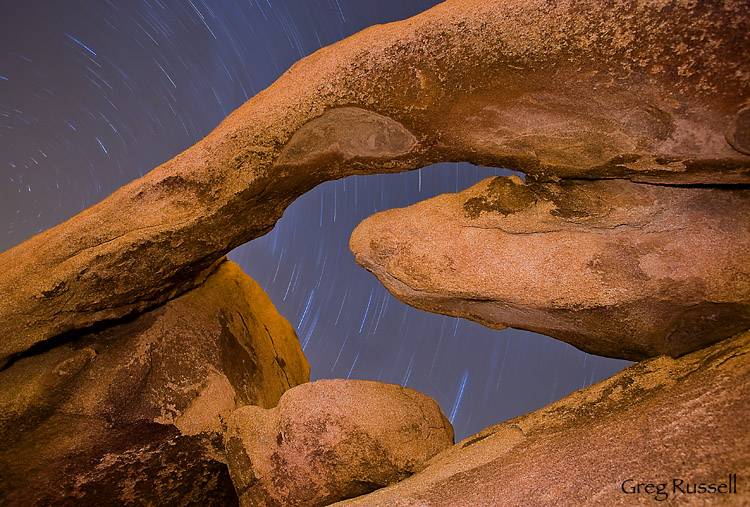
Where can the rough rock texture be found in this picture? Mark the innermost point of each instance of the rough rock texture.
(616, 268)
(647, 90)
(135, 414)
(656, 421)
(330, 440)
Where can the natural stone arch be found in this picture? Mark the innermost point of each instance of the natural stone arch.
(566, 89)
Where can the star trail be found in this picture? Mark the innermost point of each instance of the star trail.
(96, 94)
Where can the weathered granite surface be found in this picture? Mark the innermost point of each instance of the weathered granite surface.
(637, 92)
(656, 421)
(614, 267)
(330, 440)
(135, 414)
(646, 90)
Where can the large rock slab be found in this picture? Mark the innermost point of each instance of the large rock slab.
(645, 90)
(330, 440)
(658, 422)
(135, 414)
(616, 268)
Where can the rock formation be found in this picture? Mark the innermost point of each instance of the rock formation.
(331, 440)
(129, 342)
(616, 268)
(135, 414)
(656, 421)
(647, 91)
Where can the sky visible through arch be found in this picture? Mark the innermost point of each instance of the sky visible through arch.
(94, 94)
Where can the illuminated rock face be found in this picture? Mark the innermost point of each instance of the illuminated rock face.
(660, 421)
(646, 91)
(135, 414)
(330, 440)
(630, 239)
(616, 268)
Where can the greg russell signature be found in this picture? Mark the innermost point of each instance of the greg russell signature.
(661, 490)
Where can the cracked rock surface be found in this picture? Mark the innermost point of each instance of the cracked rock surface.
(656, 421)
(330, 440)
(135, 414)
(614, 267)
(644, 90)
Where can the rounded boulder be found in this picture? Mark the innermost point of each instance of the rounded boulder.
(331, 440)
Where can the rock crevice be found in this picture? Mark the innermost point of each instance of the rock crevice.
(136, 413)
(581, 449)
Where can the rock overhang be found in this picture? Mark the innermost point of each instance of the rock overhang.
(639, 90)
(614, 267)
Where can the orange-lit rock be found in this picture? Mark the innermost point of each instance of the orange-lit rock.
(649, 91)
(330, 440)
(135, 414)
(614, 267)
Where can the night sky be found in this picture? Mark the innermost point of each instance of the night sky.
(94, 94)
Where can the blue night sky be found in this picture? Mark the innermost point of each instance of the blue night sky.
(94, 94)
